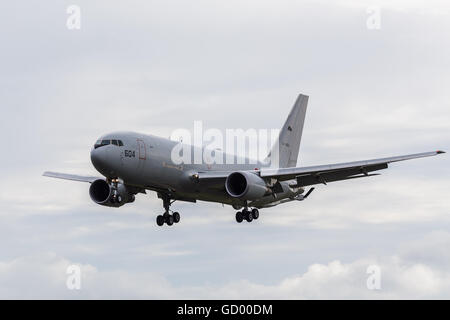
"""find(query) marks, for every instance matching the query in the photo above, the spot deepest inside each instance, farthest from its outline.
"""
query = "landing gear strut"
(248, 215)
(166, 217)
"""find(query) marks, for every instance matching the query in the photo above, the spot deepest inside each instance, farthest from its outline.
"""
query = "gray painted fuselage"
(151, 167)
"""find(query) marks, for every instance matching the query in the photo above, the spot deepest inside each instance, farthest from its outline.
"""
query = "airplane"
(132, 163)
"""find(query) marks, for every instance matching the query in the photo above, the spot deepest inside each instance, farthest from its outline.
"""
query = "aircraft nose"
(98, 159)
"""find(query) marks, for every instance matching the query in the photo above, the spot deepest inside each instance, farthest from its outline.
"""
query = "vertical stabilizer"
(288, 143)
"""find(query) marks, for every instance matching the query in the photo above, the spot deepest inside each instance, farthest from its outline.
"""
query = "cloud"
(44, 276)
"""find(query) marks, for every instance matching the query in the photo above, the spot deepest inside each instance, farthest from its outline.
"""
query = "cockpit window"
(101, 143)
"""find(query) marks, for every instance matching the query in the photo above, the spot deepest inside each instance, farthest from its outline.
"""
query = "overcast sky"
(155, 66)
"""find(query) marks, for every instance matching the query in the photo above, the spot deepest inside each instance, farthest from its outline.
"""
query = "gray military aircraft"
(132, 163)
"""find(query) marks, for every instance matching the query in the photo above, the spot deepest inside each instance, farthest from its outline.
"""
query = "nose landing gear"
(248, 215)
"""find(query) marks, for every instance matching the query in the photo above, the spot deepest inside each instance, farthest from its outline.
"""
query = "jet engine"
(110, 195)
(245, 185)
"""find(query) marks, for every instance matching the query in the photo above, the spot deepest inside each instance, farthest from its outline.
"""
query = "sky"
(156, 66)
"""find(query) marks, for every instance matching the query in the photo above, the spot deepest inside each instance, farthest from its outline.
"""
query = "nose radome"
(98, 159)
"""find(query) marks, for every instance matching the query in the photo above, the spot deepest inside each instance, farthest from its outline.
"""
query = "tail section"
(288, 143)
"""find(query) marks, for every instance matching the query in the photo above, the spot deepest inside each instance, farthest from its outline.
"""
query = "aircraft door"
(142, 150)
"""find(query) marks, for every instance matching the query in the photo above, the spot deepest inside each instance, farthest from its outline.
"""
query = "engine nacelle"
(105, 194)
(245, 185)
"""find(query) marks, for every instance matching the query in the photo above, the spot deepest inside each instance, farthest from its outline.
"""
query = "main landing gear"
(248, 215)
(166, 217)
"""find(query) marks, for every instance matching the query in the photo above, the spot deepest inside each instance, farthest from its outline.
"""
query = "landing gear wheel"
(169, 220)
(249, 216)
(255, 214)
(176, 217)
(239, 217)
(160, 220)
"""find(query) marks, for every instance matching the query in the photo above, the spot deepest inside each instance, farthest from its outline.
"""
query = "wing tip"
(440, 151)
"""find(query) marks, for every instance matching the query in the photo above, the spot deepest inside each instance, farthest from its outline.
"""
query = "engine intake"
(103, 193)
(100, 191)
(245, 185)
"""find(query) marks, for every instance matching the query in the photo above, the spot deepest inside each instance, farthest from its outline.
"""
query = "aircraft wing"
(306, 176)
(72, 177)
